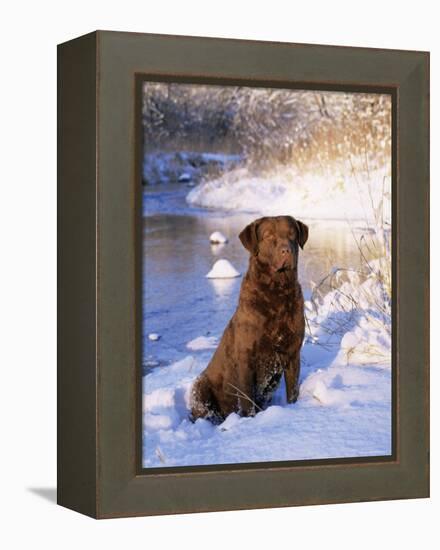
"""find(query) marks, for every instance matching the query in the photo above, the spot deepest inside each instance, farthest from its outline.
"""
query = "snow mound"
(218, 238)
(223, 269)
(339, 195)
(202, 342)
(346, 387)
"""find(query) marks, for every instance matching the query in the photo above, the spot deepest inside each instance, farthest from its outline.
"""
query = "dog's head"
(274, 241)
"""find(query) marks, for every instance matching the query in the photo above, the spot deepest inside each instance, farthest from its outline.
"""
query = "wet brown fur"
(263, 339)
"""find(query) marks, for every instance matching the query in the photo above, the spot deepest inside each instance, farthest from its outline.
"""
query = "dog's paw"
(247, 411)
(293, 397)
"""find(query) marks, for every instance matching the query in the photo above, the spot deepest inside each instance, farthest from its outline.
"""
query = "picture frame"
(99, 312)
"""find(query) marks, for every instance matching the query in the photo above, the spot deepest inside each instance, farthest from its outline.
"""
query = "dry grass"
(346, 297)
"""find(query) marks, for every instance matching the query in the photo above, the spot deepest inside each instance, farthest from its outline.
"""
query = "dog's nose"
(285, 250)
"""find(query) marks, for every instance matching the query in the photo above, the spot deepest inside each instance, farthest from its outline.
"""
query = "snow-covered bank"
(337, 195)
(344, 408)
(185, 166)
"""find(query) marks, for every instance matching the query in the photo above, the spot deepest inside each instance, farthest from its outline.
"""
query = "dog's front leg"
(245, 393)
(291, 376)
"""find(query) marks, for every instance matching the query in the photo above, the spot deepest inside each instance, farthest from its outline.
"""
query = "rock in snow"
(153, 336)
(184, 178)
(223, 269)
(218, 238)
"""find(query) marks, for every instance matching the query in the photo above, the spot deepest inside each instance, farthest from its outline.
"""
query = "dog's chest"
(279, 330)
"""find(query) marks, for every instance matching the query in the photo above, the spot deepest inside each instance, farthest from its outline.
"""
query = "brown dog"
(264, 337)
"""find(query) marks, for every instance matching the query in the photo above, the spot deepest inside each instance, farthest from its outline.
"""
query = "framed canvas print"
(243, 274)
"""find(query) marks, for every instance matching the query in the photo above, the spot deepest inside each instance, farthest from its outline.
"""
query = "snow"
(184, 178)
(184, 166)
(338, 194)
(202, 342)
(218, 238)
(223, 269)
(344, 406)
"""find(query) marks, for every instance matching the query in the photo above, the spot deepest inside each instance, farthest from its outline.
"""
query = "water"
(179, 302)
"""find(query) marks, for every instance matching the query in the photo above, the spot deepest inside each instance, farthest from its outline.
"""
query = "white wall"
(29, 33)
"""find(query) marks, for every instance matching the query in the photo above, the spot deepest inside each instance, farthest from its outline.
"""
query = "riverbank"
(354, 196)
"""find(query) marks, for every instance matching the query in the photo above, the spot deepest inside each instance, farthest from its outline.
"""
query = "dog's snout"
(285, 250)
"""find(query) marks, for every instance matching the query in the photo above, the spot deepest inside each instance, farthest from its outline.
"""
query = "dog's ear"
(303, 233)
(249, 237)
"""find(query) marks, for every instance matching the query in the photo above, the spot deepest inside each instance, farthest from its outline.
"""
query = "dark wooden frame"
(99, 468)
(140, 78)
